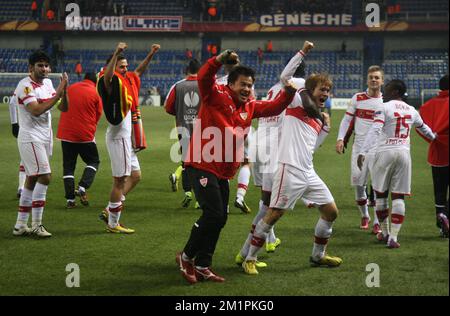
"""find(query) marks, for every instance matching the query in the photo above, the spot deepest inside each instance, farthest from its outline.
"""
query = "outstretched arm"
(275, 106)
(109, 71)
(291, 67)
(144, 64)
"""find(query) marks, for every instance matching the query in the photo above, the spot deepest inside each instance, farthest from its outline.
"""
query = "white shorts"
(392, 171)
(257, 175)
(123, 158)
(35, 158)
(290, 184)
(267, 181)
(361, 177)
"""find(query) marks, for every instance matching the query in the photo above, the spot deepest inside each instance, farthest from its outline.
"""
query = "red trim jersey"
(79, 123)
(435, 114)
(299, 134)
(34, 128)
(217, 144)
(359, 116)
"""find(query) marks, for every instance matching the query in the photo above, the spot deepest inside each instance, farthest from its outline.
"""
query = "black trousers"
(212, 194)
(185, 181)
(441, 188)
(89, 154)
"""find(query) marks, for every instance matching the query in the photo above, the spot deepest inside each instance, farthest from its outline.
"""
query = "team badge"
(27, 90)
(243, 115)
(204, 182)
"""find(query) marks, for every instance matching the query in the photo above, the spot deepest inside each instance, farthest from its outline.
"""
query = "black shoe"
(83, 197)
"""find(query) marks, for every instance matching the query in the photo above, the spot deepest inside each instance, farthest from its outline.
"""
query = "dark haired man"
(119, 89)
(390, 135)
(183, 101)
(435, 114)
(215, 152)
(76, 130)
(36, 97)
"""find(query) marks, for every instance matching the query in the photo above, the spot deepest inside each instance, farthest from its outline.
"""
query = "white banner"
(340, 103)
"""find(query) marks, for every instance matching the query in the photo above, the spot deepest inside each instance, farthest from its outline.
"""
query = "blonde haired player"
(359, 117)
(303, 130)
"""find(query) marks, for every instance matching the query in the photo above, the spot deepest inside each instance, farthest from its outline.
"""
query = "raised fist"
(307, 46)
(155, 48)
(121, 47)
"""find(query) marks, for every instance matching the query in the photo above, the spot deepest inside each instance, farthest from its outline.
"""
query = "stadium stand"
(421, 69)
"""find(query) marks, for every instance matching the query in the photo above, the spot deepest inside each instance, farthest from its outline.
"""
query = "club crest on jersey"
(204, 182)
(243, 115)
(27, 90)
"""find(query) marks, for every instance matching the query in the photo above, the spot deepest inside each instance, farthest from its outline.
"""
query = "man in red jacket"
(435, 114)
(76, 130)
(215, 152)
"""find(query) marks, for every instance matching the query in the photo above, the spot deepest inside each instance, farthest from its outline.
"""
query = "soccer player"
(225, 115)
(36, 97)
(244, 174)
(268, 136)
(359, 116)
(390, 134)
(76, 130)
(13, 105)
(119, 89)
(435, 114)
(183, 101)
(304, 129)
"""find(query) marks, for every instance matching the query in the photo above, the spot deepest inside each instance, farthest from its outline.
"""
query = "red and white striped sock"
(321, 235)
(397, 217)
(258, 239)
(243, 181)
(261, 213)
(114, 210)
(38, 204)
(383, 215)
(24, 208)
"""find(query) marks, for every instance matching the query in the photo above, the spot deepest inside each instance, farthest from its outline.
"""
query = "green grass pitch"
(144, 263)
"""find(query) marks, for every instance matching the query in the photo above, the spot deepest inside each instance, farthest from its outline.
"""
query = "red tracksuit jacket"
(435, 114)
(217, 142)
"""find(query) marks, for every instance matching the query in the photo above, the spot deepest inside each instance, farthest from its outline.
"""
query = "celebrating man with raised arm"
(215, 153)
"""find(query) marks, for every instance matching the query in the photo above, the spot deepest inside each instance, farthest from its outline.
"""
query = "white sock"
(383, 214)
(261, 213)
(81, 189)
(375, 217)
(258, 239)
(243, 181)
(39, 197)
(322, 233)
(361, 200)
(114, 211)
(271, 238)
(397, 217)
(24, 208)
(22, 178)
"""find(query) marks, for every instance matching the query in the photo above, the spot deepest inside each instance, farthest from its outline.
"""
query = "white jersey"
(299, 135)
(122, 130)
(361, 110)
(269, 128)
(392, 127)
(34, 128)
